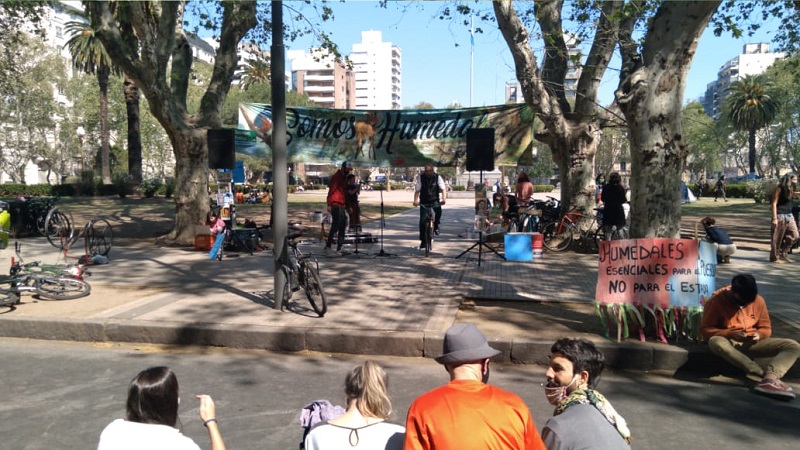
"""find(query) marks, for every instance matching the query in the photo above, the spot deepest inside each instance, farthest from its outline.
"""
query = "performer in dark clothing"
(429, 186)
(613, 197)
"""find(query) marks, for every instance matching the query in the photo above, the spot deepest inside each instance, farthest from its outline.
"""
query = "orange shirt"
(466, 415)
(723, 317)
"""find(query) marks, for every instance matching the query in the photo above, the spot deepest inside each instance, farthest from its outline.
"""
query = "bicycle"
(51, 281)
(302, 270)
(558, 236)
(428, 229)
(60, 232)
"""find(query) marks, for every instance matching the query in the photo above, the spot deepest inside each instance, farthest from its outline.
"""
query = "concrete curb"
(633, 356)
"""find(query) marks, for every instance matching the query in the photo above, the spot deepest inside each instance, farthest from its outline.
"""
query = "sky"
(436, 71)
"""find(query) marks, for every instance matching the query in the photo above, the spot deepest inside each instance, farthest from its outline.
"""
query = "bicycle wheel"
(8, 298)
(513, 225)
(58, 228)
(599, 236)
(100, 237)
(557, 240)
(313, 287)
(287, 288)
(429, 235)
(62, 288)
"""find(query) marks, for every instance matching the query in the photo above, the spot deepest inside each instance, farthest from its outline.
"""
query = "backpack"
(317, 412)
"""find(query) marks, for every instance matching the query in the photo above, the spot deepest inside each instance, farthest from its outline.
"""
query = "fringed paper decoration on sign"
(625, 319)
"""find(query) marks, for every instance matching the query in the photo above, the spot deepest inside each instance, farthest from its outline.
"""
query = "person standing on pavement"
(737, 326)
(613, 198)
(337, 199)
(583, 418)
(784, 228)
(151, 416)
(363, 426)
(467, 413)
(426, 193)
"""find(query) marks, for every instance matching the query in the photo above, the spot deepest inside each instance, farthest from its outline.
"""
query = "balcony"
(329, 78)
(318, 89)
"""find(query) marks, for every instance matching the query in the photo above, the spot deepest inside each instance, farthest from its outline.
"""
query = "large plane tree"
(161, 67)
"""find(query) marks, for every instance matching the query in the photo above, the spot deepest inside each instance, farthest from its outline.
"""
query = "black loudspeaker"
(221, 148)
(480, 149)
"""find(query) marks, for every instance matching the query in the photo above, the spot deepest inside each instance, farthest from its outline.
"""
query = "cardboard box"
(203, 242)
(518, 247)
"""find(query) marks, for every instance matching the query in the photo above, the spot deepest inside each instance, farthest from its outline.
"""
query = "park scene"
(176, 255)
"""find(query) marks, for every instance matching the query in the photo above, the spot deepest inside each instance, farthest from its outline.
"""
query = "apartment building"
(754, 59)
(378, 72)
(326, 82)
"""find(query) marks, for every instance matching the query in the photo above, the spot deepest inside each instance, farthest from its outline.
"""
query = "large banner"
(397, 138)
(661, 272)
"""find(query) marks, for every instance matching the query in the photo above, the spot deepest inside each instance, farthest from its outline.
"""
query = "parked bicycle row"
(560, 229)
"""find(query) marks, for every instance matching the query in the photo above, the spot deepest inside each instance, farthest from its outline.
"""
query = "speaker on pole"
(480, 149)
(221, 148)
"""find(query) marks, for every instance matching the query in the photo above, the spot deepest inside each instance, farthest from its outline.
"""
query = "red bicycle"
(573, 226)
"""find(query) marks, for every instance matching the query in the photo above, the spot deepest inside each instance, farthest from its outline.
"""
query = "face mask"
(555, 394)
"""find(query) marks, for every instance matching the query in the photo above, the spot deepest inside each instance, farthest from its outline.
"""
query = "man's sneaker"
(341, 252)
(331, 253)
(422, 245)
(774, 388)
(436, 231)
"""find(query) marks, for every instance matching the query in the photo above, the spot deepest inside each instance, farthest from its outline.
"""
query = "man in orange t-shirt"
(467, 413)
(737, 326)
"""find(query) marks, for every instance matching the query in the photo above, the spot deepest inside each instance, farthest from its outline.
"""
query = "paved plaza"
(390, 305)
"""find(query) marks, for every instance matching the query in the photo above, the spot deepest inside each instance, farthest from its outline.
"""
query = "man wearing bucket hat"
(467, 413)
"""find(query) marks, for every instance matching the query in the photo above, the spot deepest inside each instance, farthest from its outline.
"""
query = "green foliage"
(760, 190)
(150, 186)
(123, 184)
(86, 185)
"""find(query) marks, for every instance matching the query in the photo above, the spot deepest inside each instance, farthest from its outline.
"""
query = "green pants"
(784, 352)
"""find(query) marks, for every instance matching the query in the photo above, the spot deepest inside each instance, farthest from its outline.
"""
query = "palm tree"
(256, 71)
(89, 56)
(750, 108)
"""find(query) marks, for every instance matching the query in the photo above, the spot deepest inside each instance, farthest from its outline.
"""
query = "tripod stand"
(382, 224)
(481, 242)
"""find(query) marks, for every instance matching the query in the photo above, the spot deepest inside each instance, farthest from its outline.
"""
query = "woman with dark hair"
(613, 197)
(362, 426)
(151, 416)
(523, 192)
(784, 228)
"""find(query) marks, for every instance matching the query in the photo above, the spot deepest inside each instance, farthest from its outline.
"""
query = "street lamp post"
(81, 133)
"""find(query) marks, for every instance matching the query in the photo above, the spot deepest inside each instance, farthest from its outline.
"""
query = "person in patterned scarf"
(583, 418)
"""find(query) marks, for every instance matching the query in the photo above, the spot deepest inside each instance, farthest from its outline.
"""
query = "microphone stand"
(383, 221)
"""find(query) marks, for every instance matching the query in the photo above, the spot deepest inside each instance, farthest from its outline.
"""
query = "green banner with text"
(396, 138)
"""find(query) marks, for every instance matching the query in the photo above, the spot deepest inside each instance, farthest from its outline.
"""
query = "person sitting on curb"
(467, 412)
(718, 236)
(737, 327)
(574, 371)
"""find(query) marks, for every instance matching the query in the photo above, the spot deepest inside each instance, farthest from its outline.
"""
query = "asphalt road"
(59, 395)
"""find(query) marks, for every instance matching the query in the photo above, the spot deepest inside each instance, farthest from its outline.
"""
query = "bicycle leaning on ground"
(428, 228)
(301, 271)
(59, 228)
(50, 281)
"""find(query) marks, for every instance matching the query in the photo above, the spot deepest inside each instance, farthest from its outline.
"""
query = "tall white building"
(755, 59)
(378, 72)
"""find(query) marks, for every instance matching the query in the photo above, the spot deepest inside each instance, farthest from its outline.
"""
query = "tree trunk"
(105, 167)
(751, 142)
(134, 132)
(574, 153)
(191, 185)
(651, 97)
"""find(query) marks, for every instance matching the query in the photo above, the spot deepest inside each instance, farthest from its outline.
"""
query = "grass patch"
(745, 208)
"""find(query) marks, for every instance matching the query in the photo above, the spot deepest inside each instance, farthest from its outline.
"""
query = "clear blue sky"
(438, 72)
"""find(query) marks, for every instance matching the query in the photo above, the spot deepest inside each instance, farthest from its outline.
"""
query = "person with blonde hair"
(151, 416)
(364, 424)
